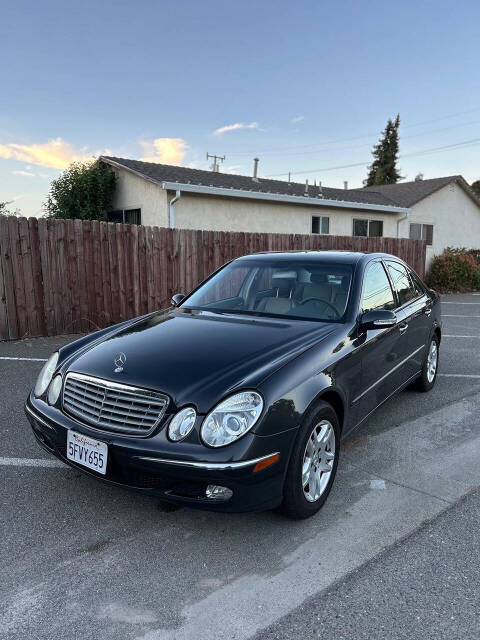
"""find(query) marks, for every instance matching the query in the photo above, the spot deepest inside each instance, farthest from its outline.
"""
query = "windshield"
(307, 290)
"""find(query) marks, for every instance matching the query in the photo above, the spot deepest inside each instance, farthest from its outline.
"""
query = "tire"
(299, 500)
(427, 378)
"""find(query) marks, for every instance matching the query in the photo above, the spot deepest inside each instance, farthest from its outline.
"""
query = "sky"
(306, 86)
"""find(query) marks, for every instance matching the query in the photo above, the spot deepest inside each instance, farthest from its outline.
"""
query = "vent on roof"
(255, 169)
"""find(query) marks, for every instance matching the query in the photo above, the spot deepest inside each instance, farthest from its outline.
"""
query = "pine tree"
(383, 169)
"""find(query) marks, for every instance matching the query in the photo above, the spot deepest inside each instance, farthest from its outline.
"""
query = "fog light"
(215, 492)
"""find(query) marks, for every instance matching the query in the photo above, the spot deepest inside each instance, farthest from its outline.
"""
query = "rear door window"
(402, 282)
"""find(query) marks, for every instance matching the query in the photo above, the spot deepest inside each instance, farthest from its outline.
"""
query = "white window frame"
(320, 220)
(422, 235)
(124, 211)
(368, 220)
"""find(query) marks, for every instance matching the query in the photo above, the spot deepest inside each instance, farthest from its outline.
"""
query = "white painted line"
(449, 336)
(32, 359)
(446, 315)
(459, 375)
(443, 302)
(32, 462)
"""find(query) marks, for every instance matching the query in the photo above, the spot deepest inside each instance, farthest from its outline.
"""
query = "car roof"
(340, 257)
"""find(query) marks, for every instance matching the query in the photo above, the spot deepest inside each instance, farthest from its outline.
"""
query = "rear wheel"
(313, 464)
(428, 376)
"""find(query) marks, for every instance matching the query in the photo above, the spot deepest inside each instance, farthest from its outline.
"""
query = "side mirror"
(177, 299)
(380, 319)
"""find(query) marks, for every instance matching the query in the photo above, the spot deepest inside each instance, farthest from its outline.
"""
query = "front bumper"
(147, 466)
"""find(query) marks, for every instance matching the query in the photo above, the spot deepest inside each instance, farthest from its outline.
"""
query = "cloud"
(235, 127)
(164, 150)
(297, 119)
(234, 169)
(23, 173)
(55, 154)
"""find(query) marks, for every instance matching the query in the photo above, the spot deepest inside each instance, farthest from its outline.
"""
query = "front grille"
(112, 406)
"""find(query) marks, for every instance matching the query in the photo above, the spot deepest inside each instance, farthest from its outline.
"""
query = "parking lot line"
(32, 359)
(32, 462)
(443, 302)
(447, 315)
(452, 336)
(459, 375)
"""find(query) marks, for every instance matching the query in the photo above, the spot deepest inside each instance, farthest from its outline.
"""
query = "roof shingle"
(167, 173)
(402, 194)
(406, 194)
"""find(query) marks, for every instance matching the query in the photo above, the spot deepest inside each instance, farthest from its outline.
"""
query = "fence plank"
(18, 276)
(114, 271)
(5, 330)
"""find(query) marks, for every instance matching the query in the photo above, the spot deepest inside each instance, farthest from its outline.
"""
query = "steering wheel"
(321, 302)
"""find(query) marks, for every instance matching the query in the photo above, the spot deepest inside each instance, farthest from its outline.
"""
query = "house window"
(128, 216)
(132, 216)
(422, 232)
(321, 224)
(370, 228)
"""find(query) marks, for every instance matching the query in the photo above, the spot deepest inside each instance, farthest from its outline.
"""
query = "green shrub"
(455, 270)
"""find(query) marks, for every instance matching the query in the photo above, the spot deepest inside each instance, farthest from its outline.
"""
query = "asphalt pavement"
(425, 586)
(80, 559)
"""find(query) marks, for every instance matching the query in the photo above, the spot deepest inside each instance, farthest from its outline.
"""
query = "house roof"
(401, 195)
(160, 173)
(406, 194)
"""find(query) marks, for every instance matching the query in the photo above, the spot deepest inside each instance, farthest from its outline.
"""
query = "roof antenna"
(215, 166)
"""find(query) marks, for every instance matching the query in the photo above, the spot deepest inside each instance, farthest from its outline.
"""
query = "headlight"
(231, 419)
(181, 424)
(54, 390)
(46, 375)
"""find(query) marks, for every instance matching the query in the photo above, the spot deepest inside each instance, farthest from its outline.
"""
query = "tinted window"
(427, 233)
(415, 231)
(375, 229)
(402, 282)
(377, 292)
(302, 290)
(360, 227)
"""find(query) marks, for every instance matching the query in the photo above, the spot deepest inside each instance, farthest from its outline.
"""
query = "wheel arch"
(335, 399)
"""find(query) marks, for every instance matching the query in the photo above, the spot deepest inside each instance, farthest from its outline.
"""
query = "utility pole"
(215, 167)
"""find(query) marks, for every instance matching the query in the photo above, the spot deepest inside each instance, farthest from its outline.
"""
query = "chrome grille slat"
(109, 405)
(144, 398)
(112, 406)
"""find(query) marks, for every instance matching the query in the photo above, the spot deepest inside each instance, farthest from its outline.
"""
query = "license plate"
(87, 451)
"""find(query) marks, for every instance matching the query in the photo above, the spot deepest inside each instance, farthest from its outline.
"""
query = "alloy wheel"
(318, 460)
(432, 361)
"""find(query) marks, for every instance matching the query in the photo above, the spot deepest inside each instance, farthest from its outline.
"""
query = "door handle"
(403, 327)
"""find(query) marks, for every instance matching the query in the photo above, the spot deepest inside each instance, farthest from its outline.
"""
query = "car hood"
(198, 357)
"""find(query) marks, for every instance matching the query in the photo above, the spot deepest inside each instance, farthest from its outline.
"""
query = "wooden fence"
(72, 276)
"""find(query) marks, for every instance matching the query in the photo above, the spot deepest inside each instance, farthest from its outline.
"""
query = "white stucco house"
(442, 211)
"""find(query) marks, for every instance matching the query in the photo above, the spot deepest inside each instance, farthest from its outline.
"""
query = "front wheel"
(430, 366)
(313, 464)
